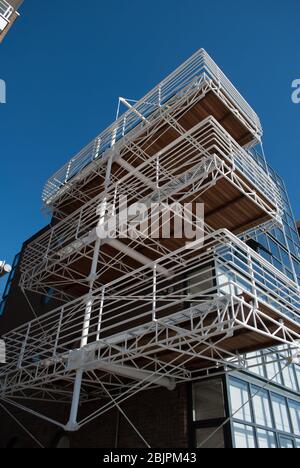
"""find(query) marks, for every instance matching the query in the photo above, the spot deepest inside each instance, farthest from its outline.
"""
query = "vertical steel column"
(72, 424)
(154, 293)
(100, 315)
(23, 349)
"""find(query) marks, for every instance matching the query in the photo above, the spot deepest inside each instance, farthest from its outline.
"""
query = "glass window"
(255, 361)
(280, 413)
(273, 368)
(266, 439)
(262, 409)
(297, 369)
(243, 436)
(215, 441)
(286, 443)
(295, 416)
(240, 404)
(289, 378)
(208, 400)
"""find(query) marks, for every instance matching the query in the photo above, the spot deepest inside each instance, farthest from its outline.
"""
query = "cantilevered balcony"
(8, 15)
(196, 90)
(204, 165)
(222, 301)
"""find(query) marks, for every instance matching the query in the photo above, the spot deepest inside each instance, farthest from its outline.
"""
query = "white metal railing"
(186, 76)
(125, 308)
(180, 166)
(6, 10)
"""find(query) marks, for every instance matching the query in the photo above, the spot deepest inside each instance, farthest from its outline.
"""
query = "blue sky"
(67, 62)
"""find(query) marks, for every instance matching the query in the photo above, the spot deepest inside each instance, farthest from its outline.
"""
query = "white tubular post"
(100, 315)
(154, 292)
(72, 425)
(89, 303)
(93, 273)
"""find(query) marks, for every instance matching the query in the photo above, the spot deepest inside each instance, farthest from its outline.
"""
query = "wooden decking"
(210, 105)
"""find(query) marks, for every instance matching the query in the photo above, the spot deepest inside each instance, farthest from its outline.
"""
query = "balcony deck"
(196, 90)
(204, 165)
(8, 16)
(217, 304)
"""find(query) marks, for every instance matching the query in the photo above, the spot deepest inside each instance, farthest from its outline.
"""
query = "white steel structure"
(8, 15)
(143, 312)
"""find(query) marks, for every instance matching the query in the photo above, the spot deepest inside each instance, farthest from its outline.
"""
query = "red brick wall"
(161, 417)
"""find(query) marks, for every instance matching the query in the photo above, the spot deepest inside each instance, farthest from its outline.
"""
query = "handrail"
(6, 10)
(211, 139)
(232, 266)
(180, 81)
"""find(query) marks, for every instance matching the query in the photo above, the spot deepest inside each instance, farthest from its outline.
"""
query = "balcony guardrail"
(217, 151)
(126, 308)
(6, 10)
(185, 78)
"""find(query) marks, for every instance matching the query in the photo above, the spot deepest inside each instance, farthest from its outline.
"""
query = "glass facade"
(282, 244)
(269, 419)
(264, 402)
(272, 365)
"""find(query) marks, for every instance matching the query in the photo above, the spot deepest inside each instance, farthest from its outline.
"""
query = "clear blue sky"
(67, 61)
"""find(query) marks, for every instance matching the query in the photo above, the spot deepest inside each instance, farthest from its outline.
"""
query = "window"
(289, 378)
(286, 443)
(262, 409)
(297, 370)
(202, 281)
(295, 416)
(239, 396)
(273, 368)
(243, 436)
(280, 413)
(256, 364)
(266, 439)
(268, 419)
(208, 399)
(215, 441)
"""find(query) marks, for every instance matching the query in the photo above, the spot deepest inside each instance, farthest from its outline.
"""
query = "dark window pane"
(208, 400)
(286, 443)
(216, 441)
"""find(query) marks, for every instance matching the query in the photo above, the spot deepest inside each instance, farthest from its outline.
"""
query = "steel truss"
(167, 177)
(190, 82)
(245, 294)
(171, 313)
